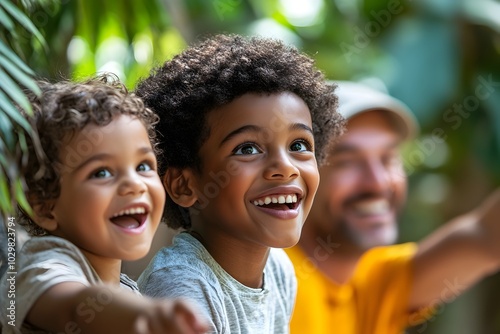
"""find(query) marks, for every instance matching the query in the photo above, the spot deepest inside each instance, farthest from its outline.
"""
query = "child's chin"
(136, 255)
(287, 242)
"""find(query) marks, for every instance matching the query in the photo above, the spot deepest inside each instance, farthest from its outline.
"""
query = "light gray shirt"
(42, 263)
(186, 269)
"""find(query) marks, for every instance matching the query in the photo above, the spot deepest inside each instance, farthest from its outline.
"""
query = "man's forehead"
(376, 120)
(372, 130)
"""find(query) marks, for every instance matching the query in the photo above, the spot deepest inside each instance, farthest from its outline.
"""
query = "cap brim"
(356, 98)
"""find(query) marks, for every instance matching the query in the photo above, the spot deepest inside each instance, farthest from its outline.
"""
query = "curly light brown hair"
(213, 73)
(62, 110)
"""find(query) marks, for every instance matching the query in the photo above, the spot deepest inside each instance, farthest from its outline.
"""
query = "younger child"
(242, 122)
(97, 200)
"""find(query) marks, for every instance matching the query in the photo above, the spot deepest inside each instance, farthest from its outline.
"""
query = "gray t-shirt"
(42, 263)
(186, 269)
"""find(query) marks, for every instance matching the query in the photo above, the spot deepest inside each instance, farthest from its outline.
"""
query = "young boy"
(241, 121)
(97, 200)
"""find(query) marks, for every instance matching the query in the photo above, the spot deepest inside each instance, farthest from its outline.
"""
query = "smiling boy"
(97, 200)
(242, 122)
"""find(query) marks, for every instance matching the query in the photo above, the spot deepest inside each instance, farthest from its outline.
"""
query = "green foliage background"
(433, 54)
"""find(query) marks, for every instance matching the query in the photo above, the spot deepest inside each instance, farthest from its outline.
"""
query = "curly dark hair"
(215, 72)
(63, 109)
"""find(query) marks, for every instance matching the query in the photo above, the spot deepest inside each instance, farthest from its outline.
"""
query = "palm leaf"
(6, 130)
(23, 20)
(4, 50)
(13, 90)
(7, 23)
(5, 204)
(14, 128)
(17, 74)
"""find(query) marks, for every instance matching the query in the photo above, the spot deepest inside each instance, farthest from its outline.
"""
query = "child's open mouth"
(130, 218)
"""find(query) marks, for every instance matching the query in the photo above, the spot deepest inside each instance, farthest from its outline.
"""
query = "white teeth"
(281, 199)
(131, 211)
(372, 207)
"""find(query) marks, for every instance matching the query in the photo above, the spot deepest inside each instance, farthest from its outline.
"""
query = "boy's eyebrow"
(254, 128)
(245, 128)
(301, 126)
(104, 156)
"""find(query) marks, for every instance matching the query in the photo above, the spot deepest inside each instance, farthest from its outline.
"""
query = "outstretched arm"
(457, 255)
(71, 307)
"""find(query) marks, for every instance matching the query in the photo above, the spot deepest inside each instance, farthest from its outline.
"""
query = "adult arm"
(72, 307)
(457, 255)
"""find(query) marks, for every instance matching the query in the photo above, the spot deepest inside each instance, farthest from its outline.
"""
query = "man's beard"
(388, 235)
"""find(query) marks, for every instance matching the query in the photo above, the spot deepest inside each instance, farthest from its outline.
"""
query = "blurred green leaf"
(14, 91)
(4, 49)
(5, 205)
(6, 21)
(18, 75)
(14, 76)
(6, 129)
(21, 197)
(9, 109)
(22, 19)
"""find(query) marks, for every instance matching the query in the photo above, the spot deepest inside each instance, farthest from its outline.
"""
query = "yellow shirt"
(374, 301)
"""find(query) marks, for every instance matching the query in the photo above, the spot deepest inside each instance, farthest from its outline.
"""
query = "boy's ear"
(43, 217)
(180, 186)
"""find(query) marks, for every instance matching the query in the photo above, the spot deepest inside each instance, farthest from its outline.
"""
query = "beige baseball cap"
(356, 98)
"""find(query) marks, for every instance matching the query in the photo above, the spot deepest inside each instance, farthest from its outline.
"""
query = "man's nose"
(376, 176)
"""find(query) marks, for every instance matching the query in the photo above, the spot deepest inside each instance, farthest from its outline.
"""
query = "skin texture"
(259, 146)
(101, 181)
(363, 187)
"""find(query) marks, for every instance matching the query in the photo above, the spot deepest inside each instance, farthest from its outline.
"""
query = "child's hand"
(175, 316)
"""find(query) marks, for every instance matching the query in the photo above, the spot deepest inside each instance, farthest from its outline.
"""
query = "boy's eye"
(144, 167)
(246, 149)
(301, 146)
(100, 174)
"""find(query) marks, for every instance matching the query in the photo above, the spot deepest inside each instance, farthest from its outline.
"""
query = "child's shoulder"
(60, 257)
(185, 253)
(187, 263)
(48, 244)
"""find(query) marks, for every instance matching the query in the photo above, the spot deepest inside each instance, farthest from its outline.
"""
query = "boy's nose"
(281, 166)
(132, 183)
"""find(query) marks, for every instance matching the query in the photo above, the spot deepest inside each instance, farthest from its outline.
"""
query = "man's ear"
(180, 186)
(43, 217)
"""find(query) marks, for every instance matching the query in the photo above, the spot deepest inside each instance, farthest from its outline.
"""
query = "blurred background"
(441, 57)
